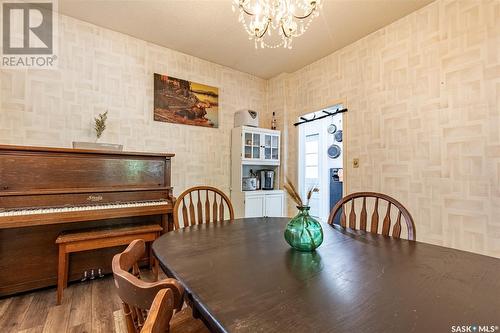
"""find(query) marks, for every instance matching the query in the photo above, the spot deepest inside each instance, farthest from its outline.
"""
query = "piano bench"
(99, 238)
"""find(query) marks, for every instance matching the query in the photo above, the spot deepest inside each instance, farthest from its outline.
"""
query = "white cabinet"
(264, 203)
(252, 150)
(254, 205)
(273, 205)
(260, 145)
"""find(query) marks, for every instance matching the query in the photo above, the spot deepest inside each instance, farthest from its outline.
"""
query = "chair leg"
(62, 272)
(129, 318)
(195, 312)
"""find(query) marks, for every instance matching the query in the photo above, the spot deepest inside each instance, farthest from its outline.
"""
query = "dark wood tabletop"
(243, 277)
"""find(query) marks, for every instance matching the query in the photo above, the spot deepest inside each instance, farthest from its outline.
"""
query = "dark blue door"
(335, 191)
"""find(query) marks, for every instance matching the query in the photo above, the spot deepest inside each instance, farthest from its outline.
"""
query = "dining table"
(242, 276)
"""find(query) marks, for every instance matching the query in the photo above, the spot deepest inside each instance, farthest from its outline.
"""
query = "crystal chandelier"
(286, 18)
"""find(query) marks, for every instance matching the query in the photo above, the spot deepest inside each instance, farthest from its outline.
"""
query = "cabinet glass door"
(267, 146)
(271, 147)
(251, 145)
(256, 146)
(275, 147)
(248, 145)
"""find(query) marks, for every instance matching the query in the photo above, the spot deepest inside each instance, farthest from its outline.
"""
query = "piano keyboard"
(15, 212)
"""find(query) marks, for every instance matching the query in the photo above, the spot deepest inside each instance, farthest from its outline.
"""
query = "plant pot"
(303, 232)
(97, 146)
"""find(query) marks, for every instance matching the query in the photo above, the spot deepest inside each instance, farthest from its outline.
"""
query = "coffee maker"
(266, 179)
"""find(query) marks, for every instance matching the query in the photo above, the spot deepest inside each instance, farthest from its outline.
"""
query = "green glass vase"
(303, 232)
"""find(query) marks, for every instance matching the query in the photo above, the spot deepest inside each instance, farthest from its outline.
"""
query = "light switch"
(355, 162)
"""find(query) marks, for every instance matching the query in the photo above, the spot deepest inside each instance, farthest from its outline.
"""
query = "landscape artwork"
(184, 102)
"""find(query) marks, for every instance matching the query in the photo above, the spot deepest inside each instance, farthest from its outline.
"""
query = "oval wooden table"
(243, 277)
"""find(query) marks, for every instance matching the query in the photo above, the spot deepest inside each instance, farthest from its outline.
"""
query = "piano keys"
(10, 218)
(44, 191)
(56, 210)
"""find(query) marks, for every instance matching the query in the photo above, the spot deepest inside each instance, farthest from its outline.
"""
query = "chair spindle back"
(352, 223)
(201, 204)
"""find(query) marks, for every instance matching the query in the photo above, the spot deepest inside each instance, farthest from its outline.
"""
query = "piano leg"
(153, 262)
(167, 222)
(170, 222)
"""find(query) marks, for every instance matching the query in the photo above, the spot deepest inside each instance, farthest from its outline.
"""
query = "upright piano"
(45, 191)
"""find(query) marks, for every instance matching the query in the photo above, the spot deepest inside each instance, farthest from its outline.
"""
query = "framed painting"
(184, 102)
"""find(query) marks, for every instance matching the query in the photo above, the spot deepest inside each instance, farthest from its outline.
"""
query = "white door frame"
(323, 146)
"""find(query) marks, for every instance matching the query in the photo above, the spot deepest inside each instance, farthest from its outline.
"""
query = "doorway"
(320, 155)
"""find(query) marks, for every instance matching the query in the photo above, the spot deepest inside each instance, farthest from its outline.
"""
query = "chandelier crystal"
(268, 18)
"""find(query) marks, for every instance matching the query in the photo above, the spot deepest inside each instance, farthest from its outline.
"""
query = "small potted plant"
(100, 124)
(99, 127)
(303, 232)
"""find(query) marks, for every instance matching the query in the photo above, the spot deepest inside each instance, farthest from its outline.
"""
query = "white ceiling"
(209, 29)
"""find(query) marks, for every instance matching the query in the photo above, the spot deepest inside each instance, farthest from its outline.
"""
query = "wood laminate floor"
(91, 306)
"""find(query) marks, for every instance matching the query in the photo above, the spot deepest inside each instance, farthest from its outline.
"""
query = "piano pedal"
(99, 273)
(85, 276)
(92, 274)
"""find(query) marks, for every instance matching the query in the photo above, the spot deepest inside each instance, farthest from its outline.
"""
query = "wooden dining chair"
(161, 319)
(201, 204)
(160, 313)
(351, 221)
(137, 295)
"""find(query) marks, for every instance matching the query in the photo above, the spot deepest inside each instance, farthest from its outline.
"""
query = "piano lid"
(79, 151)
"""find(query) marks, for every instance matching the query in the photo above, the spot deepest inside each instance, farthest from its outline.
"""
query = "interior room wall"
(424, 118)
(101, 70)
(423, 95)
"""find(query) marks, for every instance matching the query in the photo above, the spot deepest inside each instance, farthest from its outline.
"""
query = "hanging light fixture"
(285, 18)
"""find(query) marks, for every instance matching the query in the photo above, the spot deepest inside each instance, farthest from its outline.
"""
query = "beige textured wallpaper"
(424, 111)
(104, 70)
(424, 117)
